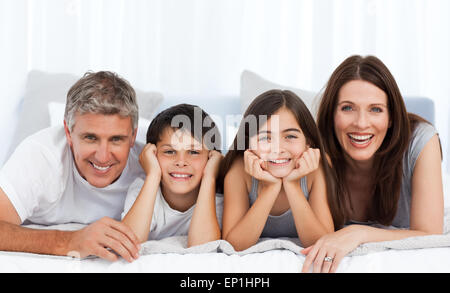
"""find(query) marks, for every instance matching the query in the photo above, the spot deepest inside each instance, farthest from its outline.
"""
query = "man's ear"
(68, 136)
(133, 139)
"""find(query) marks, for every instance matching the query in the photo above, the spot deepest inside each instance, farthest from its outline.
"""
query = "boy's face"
(182, 160)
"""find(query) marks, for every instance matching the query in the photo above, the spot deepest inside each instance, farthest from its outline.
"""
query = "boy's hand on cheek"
(307, 163)
(212, 166)
(148, 160)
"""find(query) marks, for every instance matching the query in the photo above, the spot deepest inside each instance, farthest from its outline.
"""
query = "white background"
(200, 47)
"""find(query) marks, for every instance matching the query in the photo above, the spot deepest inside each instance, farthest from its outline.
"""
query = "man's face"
(100, 145)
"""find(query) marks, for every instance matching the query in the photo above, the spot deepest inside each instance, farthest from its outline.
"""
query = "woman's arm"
(427, 198)
(242, 226)
(204, 226)
(426, 216)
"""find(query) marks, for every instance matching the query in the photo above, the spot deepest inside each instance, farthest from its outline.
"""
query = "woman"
(386, 162)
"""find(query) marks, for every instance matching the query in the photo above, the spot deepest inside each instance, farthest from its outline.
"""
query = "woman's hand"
(326, 254)
(212, 166)
(255, 167)
(307, 163)
(148, 160)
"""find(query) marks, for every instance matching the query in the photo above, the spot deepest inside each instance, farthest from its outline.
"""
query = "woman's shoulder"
(421, 135)
(423, 129)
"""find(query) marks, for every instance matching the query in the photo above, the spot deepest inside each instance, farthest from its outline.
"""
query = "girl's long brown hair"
(388, 161)
(267, 104)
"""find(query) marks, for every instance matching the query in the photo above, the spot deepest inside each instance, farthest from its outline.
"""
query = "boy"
(178, 195)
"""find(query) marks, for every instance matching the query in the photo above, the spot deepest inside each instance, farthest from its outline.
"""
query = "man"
(78, 173)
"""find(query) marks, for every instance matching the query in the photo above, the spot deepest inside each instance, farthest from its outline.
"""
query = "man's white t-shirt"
(166, 221)
(43, 184)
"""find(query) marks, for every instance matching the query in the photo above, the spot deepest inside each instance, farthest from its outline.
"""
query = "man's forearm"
(16, 238)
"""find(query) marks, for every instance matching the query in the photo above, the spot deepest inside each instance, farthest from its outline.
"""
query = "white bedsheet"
(272, 261)
(430, 260)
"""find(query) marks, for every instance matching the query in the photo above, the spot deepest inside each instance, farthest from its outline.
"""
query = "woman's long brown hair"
(267, 104)
(388, 161)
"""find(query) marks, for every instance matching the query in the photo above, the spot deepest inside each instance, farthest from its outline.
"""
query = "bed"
(419, 254)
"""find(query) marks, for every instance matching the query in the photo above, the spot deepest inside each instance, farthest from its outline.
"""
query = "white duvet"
(417, 254)
(275, 261)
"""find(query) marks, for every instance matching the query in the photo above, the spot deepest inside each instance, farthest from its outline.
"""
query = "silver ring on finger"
(328, 259)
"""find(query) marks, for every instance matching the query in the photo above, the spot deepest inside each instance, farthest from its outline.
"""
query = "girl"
(276, 181)
(178, 195)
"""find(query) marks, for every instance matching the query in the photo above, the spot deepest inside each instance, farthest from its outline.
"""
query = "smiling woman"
(361, 120)
(387, 162)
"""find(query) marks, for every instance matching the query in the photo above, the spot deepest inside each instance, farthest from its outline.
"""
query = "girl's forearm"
(204, 226)
(248, 230)
(139, 217)
(309, 228)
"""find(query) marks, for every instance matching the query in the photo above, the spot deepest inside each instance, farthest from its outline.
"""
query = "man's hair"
(104, 93)
(186, 117)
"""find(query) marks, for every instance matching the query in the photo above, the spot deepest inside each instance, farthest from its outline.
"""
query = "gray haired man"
(78, 173)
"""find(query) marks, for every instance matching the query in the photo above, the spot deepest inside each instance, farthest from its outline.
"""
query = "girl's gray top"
(420, 136)
(282, 225)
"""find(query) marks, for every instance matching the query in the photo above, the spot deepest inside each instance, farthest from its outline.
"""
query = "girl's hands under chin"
(307, 163)
(255, 167)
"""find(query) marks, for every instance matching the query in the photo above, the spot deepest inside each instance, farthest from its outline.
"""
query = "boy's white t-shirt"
(166, 221)
(43, 183)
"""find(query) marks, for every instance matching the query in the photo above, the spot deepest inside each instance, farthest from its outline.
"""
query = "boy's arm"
(204, 226)
(139, 217)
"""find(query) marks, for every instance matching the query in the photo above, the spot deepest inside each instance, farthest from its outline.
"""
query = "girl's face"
(279, 142)
(361, 119)
(182, 160)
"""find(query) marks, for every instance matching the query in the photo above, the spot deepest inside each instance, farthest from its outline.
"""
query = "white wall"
(200, 47)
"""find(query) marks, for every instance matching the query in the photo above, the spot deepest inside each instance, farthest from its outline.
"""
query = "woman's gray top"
(420, 137)
(282, 225)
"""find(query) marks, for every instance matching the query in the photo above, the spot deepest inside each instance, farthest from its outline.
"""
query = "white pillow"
(56, 113)
(43, 88)
(253, 85)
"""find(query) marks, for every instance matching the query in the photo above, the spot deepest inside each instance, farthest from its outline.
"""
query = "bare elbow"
(194, 242)
(433, 230)
(237, 246)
